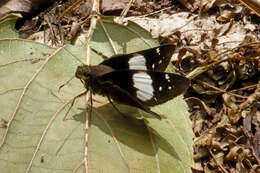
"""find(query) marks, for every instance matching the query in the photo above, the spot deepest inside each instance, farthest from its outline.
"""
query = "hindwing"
(148, 87)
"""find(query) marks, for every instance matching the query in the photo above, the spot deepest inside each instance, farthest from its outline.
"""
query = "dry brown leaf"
(21, 6)
(254, 5)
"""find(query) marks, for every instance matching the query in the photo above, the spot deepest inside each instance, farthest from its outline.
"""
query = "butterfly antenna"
(72, 103)
(74, 56)
(90, 103)
(66, 83)
(99, 53)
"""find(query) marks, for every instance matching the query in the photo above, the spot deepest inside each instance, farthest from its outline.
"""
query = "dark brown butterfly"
(137, 79)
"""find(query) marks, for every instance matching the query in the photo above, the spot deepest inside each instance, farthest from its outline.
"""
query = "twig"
(10, 90)
(125, 11)
(108, 37)
(214, 158)
(33, 60)
(218, 90)
(68, 10)
(93, 23)
(244, 88)
(78, 166)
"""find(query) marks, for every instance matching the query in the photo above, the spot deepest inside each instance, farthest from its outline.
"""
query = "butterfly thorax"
(89, 74)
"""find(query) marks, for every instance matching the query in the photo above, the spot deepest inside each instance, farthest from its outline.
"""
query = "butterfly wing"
(154, 59)
(120, 95)
(147, 87)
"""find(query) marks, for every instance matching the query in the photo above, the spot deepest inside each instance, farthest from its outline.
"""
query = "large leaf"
(38, 141)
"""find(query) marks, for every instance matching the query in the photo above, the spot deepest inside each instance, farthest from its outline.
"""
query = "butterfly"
(136, 79)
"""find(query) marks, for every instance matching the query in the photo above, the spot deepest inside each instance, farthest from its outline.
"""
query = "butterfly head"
(83, 73)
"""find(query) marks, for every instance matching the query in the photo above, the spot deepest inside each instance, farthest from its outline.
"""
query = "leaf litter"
(222, 49)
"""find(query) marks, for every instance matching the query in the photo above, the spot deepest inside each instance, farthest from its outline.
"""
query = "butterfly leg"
(91, 103)
(155, 114)
(73, 101)
(114, 106)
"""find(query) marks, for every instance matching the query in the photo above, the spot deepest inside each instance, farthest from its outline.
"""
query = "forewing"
(148, 87)
(154, 59)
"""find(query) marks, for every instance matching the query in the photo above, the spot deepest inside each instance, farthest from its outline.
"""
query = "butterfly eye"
(85, 74)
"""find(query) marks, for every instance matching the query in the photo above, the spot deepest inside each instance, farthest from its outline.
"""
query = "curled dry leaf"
(24, 7)
(111, 6)
(208, 4)
(229, 14)
(224, 150)
(192, 5)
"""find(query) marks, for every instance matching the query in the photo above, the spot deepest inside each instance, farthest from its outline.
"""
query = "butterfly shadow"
(130, 131)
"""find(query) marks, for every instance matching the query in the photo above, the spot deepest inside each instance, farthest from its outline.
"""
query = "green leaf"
(30, 76)
(7, 24)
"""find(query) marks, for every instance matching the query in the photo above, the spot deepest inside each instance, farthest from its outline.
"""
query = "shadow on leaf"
(130, 131)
